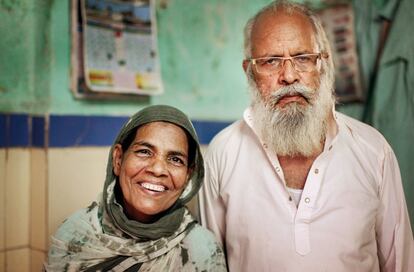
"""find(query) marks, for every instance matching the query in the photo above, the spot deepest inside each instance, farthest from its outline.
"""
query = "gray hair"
(322, 42)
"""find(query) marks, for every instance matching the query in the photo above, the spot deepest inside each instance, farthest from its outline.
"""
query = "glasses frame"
(284, 59)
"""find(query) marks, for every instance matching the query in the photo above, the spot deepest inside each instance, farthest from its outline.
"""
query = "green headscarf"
(172, 218)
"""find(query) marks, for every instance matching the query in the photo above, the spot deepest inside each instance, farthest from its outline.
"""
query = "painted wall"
(200, 66)
(200, 46)
(25, 55)
(200, 49)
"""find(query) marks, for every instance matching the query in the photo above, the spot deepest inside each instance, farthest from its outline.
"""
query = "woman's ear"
(117, 159)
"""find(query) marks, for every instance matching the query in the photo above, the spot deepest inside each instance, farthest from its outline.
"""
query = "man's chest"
(295, 171)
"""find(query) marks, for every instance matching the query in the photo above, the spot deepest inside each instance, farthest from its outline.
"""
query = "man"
(296, 186)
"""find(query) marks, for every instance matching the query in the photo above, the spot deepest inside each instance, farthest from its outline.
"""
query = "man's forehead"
(281, 20)
(282, 30)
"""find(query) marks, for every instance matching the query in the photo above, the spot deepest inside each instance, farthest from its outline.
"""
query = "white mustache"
(292, 90)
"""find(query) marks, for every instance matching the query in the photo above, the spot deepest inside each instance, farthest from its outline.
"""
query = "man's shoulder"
(363, 133)
(231, 133)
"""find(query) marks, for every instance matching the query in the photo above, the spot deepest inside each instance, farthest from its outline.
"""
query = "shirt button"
(277, 168)
(307, 200)
(316, 171)
(265, 145)
(330, 148)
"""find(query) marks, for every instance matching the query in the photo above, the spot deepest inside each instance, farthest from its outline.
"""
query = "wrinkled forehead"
(277, 31)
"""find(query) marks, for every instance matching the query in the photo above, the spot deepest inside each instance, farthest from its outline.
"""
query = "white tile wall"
(2, 261)
(76, 176)
(38, 200)
(17, 197)
(37, 259)
(18, 260)
(2, 199)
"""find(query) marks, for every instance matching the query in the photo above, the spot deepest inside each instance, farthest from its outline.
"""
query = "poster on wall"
(338, 22)
(115, 48)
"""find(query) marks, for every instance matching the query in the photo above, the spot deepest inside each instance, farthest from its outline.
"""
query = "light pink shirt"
(352, 214)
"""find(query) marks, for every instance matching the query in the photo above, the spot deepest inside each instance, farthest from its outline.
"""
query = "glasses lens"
(305, 63)
(268, 65)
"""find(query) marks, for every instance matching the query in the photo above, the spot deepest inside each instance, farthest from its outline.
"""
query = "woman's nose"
(158, 166)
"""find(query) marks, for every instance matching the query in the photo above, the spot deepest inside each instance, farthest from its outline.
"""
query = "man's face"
(284, 35)
(290, 108)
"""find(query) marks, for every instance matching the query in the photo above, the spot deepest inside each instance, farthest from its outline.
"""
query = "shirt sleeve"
(393, 230)
(212, 208)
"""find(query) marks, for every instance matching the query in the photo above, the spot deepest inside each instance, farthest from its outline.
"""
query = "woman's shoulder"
(200, 235)
(81, 220)
(203, 250)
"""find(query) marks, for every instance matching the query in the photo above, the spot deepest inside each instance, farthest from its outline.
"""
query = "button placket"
(302, 239)
(302, 228)
(306, 209)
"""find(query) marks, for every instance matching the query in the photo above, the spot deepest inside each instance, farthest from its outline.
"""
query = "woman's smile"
(153, 187)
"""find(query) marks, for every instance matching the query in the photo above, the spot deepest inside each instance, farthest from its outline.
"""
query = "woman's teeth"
(153, 187)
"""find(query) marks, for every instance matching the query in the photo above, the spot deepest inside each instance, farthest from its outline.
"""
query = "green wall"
(25, 56)
(200, 47)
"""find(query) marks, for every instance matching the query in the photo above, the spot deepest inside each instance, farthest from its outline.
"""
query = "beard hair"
(295, 129)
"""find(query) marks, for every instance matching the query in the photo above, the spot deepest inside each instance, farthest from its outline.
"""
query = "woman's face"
(153, 171)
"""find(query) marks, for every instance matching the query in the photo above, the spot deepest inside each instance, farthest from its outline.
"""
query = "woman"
(140, 223)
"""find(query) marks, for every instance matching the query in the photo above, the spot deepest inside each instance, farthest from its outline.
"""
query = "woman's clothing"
(102, 238)
(81, 243)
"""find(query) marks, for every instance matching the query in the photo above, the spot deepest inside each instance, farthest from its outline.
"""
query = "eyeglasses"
(301, 63)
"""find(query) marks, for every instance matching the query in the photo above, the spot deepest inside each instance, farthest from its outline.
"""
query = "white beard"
(294, 129)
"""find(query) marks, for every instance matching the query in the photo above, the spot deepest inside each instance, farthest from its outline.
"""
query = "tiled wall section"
(17, 198)
(36, 260)
(18, 260)
(2, 208)
(20, 130)
(2, 262)
(38, 196)
(76, 177)
(51, 166)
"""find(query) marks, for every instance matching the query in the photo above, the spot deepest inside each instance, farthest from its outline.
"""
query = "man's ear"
(245, 65)
(117, 159)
